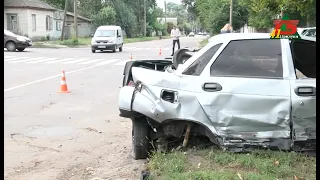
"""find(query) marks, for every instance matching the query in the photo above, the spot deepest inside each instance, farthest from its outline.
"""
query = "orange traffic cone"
(63, 85)
(160, 52)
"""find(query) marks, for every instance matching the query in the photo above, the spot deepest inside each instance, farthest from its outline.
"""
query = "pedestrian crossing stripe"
(82, 61)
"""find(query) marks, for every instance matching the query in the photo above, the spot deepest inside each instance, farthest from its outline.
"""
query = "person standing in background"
(226, 29)
(175, 34)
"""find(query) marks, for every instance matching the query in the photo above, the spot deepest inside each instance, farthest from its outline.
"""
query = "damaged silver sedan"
(241, 91)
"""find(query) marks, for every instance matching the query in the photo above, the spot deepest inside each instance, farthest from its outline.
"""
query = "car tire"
(114, 50)
(93, 51)
(120, 49)
(11, 46)
(20, 49)
(140, 138)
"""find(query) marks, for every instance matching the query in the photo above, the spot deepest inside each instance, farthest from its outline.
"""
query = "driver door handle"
(305, 91)
(211, 87)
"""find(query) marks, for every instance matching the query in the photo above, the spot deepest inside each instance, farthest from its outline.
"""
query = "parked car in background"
(309, 31)
(242, 90)
(13, 42)
(191, 34)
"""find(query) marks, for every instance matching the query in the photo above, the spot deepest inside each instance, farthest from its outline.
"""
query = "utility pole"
(231, 12)
(64, 19)
(75, 19)
(145, 18)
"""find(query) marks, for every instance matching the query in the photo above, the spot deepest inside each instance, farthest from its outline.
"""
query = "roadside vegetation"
(203, 42)
(217, 165)
(87, 41)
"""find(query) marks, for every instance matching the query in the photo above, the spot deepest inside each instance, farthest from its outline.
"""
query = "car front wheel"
(140, 138)
(11, 46)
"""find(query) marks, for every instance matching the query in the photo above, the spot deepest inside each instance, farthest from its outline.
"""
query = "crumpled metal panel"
(303, 112)
(304, 118)
(234, 126)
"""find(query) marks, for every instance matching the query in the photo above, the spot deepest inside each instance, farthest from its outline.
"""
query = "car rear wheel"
(140, 138)
(93, 51)
(11, 46)
(20, 49)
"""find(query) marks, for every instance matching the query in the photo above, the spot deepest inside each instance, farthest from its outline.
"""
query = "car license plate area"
(101, 46)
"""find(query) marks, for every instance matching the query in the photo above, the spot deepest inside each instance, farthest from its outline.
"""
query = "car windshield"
(105, 33)
(6, 32)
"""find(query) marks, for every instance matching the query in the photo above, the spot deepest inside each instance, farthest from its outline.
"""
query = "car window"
(198, 65)
(304, 58)
(104, 33)
(250, 58)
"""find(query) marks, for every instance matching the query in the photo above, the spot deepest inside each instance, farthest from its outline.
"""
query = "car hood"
(23, 37)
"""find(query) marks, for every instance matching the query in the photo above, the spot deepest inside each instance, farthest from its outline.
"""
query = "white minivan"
(107, 38)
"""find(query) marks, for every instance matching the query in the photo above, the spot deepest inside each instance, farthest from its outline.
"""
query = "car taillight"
(131, 83)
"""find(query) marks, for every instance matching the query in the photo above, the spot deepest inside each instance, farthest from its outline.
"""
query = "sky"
(160, 3)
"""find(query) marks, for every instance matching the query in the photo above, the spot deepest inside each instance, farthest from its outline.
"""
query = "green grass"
(218, 165)
(204, 42)
(87, 41)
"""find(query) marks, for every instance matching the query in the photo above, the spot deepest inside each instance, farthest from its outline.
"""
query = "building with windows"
(38, 20)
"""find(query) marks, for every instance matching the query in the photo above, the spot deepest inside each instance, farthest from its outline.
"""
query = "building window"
(49, 23)
(12, 22)
(58, 25)
(34, 21)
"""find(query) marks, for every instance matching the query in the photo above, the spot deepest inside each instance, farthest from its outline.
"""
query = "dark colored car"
(13, 42)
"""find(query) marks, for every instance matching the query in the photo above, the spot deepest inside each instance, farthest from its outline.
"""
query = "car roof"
(109, 27)
(242, 36)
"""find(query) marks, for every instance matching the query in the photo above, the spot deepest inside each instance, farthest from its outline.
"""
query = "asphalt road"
(79, 135)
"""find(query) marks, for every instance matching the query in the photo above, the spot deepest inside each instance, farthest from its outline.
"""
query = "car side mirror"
(119, 35)
(92, 35)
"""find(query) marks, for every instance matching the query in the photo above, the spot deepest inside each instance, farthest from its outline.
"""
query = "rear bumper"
(103, 46)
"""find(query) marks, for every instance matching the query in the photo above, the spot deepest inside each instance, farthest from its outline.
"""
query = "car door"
(118, 37)
(246, 93)
(303, 94)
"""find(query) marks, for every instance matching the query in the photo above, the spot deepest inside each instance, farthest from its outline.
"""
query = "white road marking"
(58, 61)
(9, 56)
(43, 60)
(26, 60)
(74, 61)
(48, 78)
(107, 62)
(92, 61)
(122, 62)
(15, 58)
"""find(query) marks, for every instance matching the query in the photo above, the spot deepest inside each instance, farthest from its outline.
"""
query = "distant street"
(77, 135)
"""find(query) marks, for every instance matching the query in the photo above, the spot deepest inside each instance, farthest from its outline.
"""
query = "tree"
(126, 18)
(213, 14)
(106, 16)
